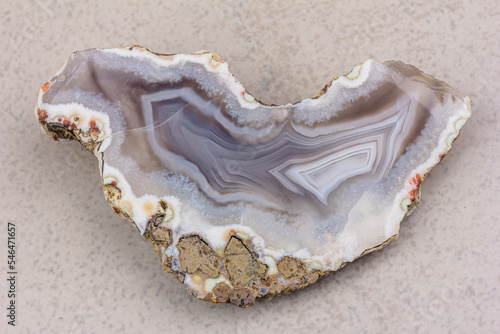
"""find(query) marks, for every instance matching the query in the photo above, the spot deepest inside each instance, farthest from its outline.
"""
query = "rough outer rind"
(235, 273)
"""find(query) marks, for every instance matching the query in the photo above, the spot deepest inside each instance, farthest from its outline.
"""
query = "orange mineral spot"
(42, 116)
(414, 183)
(46, 86)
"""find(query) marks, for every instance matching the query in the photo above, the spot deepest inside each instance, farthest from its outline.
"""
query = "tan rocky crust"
(241, 265)
(197, 257)
(229, 266)
(292, 269)
(246, 277)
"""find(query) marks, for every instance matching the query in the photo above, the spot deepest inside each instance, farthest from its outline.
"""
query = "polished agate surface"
(322, 181)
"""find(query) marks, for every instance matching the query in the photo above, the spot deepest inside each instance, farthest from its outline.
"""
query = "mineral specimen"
(243, 200)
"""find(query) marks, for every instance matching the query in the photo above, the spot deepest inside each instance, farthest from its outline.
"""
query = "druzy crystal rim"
(227, 247)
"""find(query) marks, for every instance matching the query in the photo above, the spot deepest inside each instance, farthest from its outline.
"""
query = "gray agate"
(243, 200)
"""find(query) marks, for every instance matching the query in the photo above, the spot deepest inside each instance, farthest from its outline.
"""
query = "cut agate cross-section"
(242, 200)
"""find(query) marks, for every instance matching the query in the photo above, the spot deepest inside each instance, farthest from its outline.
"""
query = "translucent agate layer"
(243, 200)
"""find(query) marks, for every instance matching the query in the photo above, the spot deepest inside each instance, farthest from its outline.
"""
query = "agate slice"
(243, 200)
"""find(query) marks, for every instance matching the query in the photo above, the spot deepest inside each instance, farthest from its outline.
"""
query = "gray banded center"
(282, 164)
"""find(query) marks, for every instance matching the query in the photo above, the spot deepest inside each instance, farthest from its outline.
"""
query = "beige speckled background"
(83, 269)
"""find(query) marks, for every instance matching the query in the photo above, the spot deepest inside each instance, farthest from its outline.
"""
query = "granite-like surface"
(82, 269)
